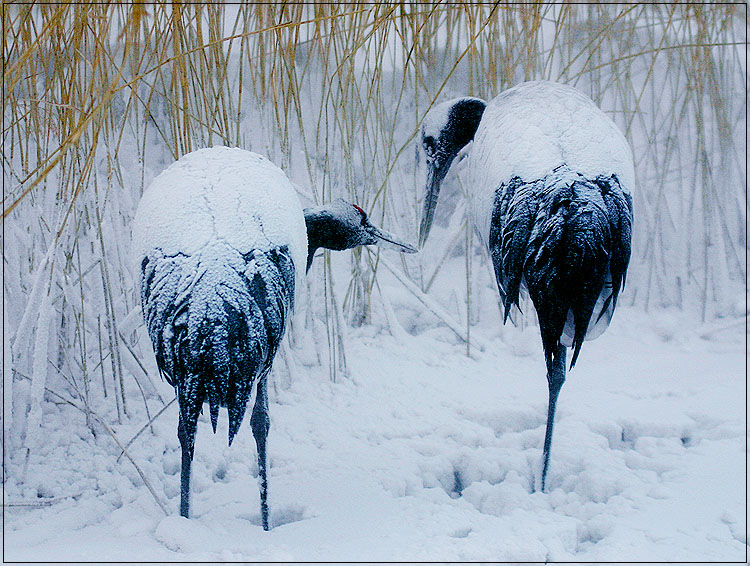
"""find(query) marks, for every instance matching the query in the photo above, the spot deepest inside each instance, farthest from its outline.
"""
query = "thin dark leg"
(555, 380)
(260, 424)
(187, 460)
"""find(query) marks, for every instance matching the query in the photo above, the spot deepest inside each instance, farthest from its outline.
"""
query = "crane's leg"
(187, 460)
(555, 380)
(260, 424)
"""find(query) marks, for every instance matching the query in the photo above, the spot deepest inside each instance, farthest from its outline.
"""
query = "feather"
(620, 213)
(216, 319)
(565, 238)
(520, 218)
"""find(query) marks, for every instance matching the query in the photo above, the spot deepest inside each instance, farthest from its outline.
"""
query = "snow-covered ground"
(422, 453)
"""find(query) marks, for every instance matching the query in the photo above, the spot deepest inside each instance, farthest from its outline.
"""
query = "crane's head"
(340, 225)
(447, 128)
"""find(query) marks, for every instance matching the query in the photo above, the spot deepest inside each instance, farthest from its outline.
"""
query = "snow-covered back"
(530, 129)
(221, 194)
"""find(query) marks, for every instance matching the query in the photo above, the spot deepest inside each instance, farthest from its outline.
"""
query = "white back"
(530, 129)
(225, 196)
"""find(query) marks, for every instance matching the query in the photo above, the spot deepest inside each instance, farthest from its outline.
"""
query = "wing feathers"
(521, 214)
(215, 320)
(563, 237)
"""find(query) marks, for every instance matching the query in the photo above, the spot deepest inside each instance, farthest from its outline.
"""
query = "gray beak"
(435, 176)
(383, 239)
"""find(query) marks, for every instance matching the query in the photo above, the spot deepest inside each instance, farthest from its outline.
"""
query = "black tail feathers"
(216, 320)
(563, 237)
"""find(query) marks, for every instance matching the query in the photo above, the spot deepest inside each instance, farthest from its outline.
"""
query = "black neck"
(315, 224)
(327, 230)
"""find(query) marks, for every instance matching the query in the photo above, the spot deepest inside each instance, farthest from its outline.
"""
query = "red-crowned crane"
(223, 245)
(550, 181)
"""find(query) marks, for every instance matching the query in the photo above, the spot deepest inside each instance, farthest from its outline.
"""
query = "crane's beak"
(383, 239)
(435, 175)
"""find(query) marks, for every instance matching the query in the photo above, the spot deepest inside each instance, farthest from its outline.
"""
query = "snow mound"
(422, 453)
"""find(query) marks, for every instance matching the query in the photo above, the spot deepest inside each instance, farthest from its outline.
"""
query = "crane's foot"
(264, 501)
(260, 424)
(548, 434)
(555, 380)
(187, 461)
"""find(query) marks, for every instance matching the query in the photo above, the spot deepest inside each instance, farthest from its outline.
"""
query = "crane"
(550, 187)
(221, 240)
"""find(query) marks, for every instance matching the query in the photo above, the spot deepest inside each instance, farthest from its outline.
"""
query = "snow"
(424, 454)
(7, 415)
(225, 194)
(530, 129)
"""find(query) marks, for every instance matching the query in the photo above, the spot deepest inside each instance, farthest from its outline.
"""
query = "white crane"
(550, 181)
(221, 241)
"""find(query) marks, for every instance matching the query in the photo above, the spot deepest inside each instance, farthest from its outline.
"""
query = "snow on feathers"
(529, 130)
(220, 238)
(565, 239)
